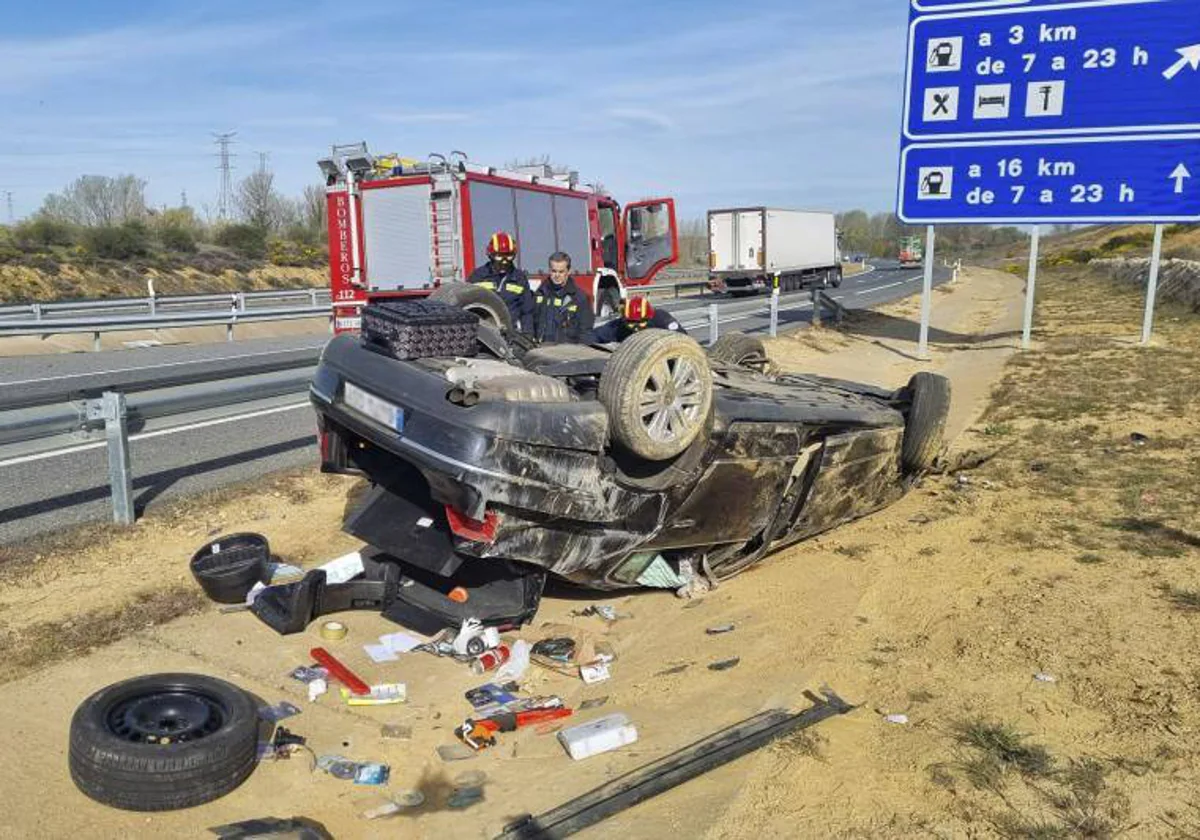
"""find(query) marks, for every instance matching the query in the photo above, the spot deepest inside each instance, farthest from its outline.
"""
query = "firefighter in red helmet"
(638, 314)
(501, 275)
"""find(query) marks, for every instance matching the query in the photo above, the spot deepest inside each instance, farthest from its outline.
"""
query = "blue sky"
(717, 103)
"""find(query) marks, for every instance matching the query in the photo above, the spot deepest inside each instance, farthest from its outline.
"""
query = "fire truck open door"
(651, 239)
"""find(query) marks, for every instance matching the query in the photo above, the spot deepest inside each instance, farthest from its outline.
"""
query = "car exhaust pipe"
(455, 395)
(470, 398)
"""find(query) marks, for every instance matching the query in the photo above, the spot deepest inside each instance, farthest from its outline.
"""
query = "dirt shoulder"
(1070, 552)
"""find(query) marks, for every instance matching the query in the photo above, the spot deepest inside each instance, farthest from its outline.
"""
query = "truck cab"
(402, 227)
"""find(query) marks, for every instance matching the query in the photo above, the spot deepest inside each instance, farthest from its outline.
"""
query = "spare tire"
(929, 395)
(161, 742)
(739, 349)
(485, 304)
(658, 392)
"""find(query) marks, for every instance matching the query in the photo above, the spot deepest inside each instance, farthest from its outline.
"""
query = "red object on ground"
(339, 671)
(507, 721)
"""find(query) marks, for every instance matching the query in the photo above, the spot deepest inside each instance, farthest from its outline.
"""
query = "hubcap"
(671, 400)
(166, 717)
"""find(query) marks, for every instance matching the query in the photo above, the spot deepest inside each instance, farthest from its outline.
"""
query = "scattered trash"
(480, 733)
(604, 611)
(963, 480)
(601, 735)
(491, 694)
(455, 752)
(280, 711)
(594, 673)
(395, 732)
(473, 638)
(317, 688)
(593, 703)
(281, 745)
(387, 809)
(343, 569)
(282, 572)
(901, 720)
(560, 650)
(1138, 439)
(308, 673)
(1045, 678)
(725, 664)
(490, 660)
(380, 653)
(400, 642)
(463, 798)
(372, 774)
(379, 695)
(338, 766)
(518, 662)
(339, 671)
(334, 631)
(920, 519)
(1037, 466)
(719, 629)
(471, 778)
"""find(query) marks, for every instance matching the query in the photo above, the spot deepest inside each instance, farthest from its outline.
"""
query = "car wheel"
(930, 405)
(657, 389)
(837, 278)
(610, 302)
(737, 348)
(485, 304)
(161, 742)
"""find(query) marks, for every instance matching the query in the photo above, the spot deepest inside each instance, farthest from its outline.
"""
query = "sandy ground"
(942, 607)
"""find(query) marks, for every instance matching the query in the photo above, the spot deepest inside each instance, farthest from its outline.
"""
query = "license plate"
(381, 411)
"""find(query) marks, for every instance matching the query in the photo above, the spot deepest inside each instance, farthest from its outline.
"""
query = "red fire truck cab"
(401, 227)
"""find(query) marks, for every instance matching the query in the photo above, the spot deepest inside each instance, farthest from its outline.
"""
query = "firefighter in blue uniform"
(564, 313)
(637, 315)
(501, 275)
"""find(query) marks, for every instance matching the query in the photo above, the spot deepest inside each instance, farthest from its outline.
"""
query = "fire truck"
(401, 227)
(912, 255)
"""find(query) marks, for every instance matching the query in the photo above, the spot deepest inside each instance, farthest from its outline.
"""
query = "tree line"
(109, 218)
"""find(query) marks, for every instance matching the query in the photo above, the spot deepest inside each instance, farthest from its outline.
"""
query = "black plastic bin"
(228, 567)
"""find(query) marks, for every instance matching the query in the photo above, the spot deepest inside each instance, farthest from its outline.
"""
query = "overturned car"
(495, 463)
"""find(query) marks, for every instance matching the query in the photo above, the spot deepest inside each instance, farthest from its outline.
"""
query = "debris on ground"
(386, 694)
(280, 711)
(601, 735)
(720, 629)
(899, 719)
(725, 664)
(1043, 677)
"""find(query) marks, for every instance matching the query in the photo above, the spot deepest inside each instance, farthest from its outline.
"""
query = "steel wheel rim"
(672, 400)
(169, 715)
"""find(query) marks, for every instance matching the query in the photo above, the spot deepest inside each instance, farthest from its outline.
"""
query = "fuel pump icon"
(933, 183)
(945, 55)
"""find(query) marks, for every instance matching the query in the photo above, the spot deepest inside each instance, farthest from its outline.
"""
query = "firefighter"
(564, 314)
(638, 314)
(501, 275)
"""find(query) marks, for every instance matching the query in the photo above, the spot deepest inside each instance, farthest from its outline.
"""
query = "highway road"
(40, 494)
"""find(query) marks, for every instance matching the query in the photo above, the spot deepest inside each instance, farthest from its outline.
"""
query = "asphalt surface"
(46, 494)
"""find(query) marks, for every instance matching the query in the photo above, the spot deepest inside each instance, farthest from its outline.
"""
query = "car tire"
(930, 405)
(610, 303)
(837, 278)
(739, 349)
(658, 391)
(485, 304)
(117, 753)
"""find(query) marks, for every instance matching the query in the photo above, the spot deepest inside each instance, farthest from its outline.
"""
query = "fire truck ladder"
(445, 258)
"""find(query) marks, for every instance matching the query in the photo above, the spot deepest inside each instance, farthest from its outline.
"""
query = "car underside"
(650, 463)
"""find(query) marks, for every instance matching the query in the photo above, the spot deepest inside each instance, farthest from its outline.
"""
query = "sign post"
(1152, 286)
(926, 295)
(1031, 286)
(1052, 111)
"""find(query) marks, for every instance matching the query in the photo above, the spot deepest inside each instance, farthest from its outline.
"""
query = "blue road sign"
(1148, 178)
(1100, 67)
(1039, 111)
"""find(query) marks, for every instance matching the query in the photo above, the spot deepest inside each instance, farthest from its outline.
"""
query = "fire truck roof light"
(360, 163)
(329, 168)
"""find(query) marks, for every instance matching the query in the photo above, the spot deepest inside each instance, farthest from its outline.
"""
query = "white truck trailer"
(753, 248)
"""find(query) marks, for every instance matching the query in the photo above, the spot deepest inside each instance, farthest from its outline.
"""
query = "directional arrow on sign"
(1189, 55)
(1180, 175)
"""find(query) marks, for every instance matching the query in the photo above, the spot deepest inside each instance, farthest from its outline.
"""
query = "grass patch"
(999, 749)
(48, 642)
(1089, 559)
(1186, 600)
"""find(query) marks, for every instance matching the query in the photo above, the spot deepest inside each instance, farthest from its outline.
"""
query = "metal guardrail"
(43, 419)
(152, 304)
